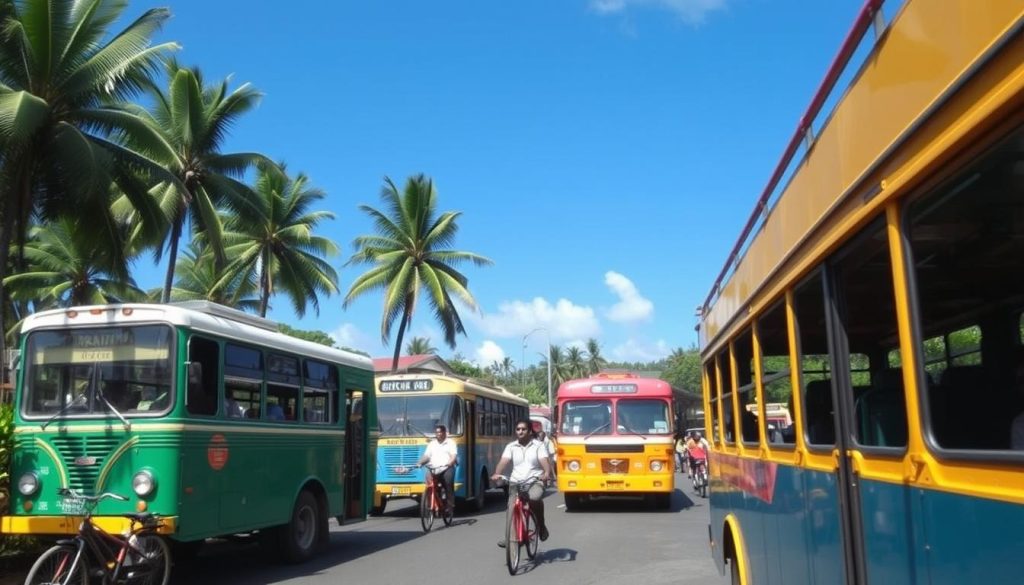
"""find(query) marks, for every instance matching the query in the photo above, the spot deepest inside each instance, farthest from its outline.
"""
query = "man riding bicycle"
(440, 455)
(696, 449)
(531, 462)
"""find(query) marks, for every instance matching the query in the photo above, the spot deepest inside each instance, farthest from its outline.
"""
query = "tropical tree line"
(111, 150)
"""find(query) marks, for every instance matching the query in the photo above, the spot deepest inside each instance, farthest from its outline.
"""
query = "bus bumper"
(43, 525)
(397, 491)
(611, 484)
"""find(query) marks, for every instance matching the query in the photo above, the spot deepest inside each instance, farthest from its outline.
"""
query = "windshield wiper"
(630, 431)
(62, 410)
(415, 428)
(127, 425)
(600, 428)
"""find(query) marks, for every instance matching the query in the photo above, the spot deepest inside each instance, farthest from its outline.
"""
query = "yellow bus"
(479, 418)
(879, 291)
(615, 437)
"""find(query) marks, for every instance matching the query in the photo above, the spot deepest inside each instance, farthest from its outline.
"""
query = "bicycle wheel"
(532, 541)
(154, 566)
(55, 566)
(427, 509)
(512, 542)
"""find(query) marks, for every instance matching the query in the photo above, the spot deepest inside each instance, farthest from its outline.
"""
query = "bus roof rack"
(211, 308)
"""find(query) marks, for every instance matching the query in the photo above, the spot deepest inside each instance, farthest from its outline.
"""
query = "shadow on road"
(611, 504)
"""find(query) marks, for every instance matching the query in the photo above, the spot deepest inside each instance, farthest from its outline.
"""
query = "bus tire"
(481, 493)
(301, 536)
(572, 502)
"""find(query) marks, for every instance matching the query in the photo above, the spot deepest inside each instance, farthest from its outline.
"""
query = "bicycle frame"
(520, 515)
(434, 486)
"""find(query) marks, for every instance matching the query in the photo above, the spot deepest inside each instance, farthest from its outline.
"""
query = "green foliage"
(9, 544)
(314, 336)
(684, 370)
(463, 367)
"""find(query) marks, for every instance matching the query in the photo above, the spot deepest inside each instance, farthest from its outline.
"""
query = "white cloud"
(635, 350)
(348, 335)
(489, 353)
(563, 320)
(691, 11)
(632, 306)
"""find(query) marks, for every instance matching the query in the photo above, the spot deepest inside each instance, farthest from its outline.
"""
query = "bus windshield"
(416, 416)
(88, 371)
(586, 417)
(646, 417)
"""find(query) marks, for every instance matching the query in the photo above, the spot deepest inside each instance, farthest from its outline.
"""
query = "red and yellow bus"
(615, 438)
(878, 293)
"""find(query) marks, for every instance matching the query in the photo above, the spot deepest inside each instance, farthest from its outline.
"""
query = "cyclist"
(440, 455)
(696, 448)
(530, 462)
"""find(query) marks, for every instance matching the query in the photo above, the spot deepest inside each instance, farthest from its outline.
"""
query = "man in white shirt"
(440, 459)
(531, 463)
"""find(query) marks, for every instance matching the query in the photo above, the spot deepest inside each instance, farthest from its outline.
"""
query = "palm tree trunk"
(264, 285)
(172, 257)
(398, 342)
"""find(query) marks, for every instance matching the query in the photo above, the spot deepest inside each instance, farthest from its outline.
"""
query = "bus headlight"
(656, 465)
(28, 484)
(573, 466)
(143, 483)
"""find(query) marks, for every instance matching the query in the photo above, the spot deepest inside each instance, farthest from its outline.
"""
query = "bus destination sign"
(406, 385)
(613, 389)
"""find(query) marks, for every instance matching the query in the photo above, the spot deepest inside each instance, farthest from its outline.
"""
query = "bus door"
(355, 455)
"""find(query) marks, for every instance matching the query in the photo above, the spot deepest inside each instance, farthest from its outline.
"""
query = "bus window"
(743, 350)
(243, 381)
(712, 382)
(776, 381)
(809, 309)
(201, 398)
(282, 387)
(864, 289)
(725, 382)
(587, 417)
(968, 288)
(320, 391)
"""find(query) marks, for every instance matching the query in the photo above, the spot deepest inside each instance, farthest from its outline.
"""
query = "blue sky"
(604, 153)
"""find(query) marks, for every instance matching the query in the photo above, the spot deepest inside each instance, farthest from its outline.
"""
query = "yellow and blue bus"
(200, 413)
(479, 418)
(615, 437)
(878, 292)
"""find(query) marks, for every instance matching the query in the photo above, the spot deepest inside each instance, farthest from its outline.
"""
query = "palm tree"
(61, 75)
(420, 346)
(191, 121)
(274, 239)
(506, 367)
(575, 363)
(594, 360)
(61, 272)
(559, 369)
(410, 256)
(198, 279)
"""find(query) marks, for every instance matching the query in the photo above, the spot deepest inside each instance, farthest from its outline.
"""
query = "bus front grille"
(84, 457)
(627, 448)
(398, 463)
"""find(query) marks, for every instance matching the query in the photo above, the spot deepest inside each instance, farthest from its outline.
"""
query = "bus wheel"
(481, 489)
(301, 534)
(572, 502)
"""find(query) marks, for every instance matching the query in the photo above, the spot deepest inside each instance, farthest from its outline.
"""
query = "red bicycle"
(433, 503)
(140, 556)
(521, 527)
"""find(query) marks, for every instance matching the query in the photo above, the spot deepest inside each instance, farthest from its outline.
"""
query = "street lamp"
(548, 360)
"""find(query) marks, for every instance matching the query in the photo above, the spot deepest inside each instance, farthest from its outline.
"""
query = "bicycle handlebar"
(70, 493)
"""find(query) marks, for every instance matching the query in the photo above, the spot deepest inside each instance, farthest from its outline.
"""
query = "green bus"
(203, 414)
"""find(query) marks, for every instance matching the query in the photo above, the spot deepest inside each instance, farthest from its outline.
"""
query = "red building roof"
(407, 362)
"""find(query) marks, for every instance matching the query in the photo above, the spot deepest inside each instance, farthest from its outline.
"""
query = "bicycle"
(433, 503)
(138, 557)
(700, 477)
(521, 527)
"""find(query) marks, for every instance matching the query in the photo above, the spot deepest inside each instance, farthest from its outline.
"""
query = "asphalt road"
(609, 541)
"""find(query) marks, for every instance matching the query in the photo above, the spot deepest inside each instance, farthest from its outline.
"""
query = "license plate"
(400, 491)
(615, 485)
